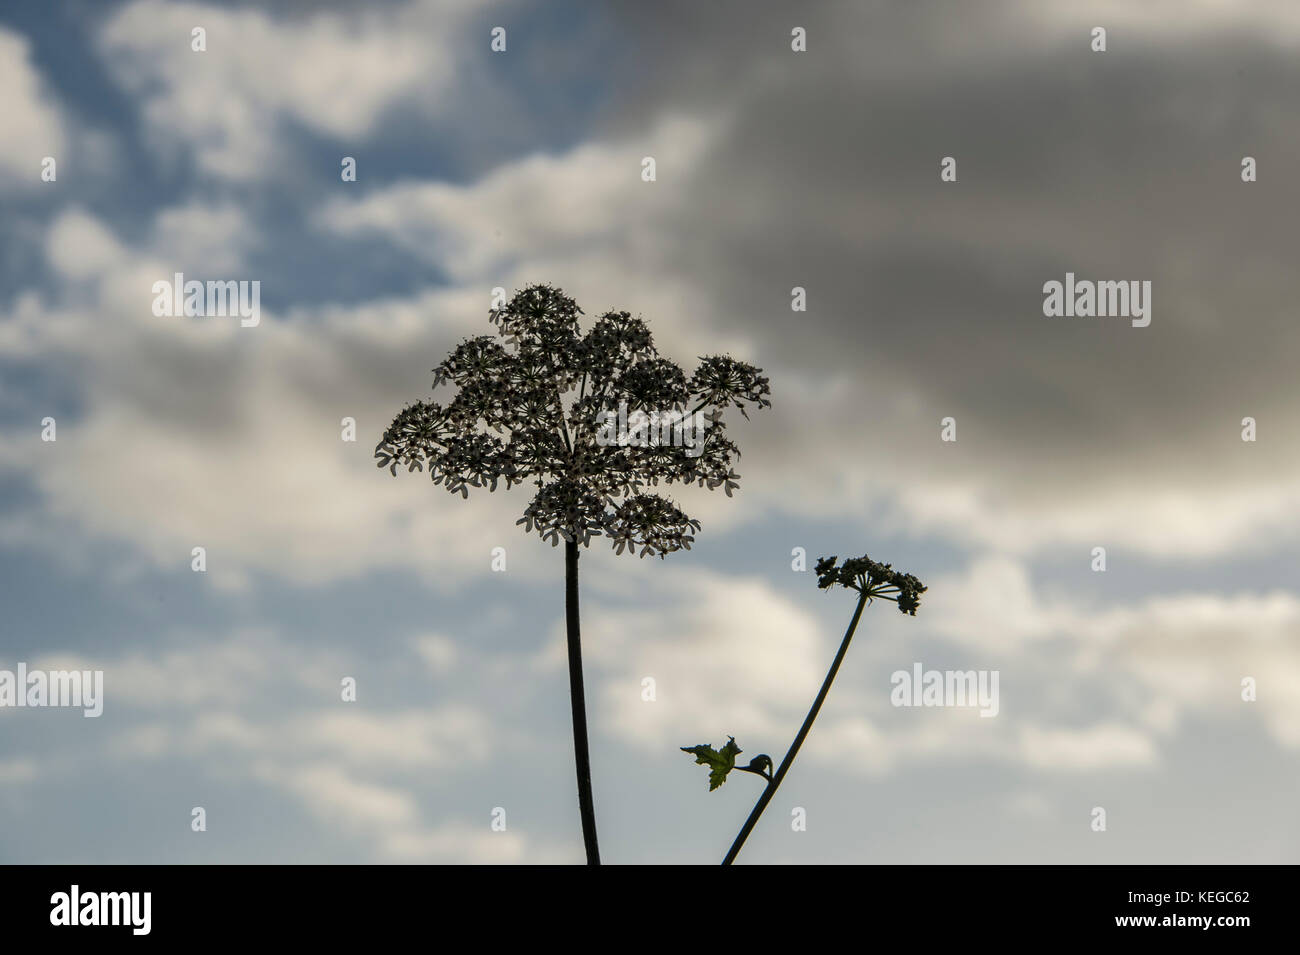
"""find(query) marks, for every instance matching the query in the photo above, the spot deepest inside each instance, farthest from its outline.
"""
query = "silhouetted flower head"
(528, 407)
(873, 579)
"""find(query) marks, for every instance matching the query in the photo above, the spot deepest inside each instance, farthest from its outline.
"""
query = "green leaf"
(719, 763)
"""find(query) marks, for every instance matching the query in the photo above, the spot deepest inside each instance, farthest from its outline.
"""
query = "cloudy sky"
(774, 169)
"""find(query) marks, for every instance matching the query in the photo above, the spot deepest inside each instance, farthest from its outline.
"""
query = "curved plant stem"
(770, 790)
(579, 704)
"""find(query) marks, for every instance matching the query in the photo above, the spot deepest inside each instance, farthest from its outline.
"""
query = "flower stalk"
(872, 581)
(774, 782)
(523, 412)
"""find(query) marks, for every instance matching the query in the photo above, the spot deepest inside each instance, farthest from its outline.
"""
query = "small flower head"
(872, 579)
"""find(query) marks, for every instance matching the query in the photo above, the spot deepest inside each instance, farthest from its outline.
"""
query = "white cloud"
(459, 842)
(337, 797)
(1197, 520)
(1082, 750)
(391, 818)
(34, 124)
(1158, 659)
(437, 651)
(205, 240)
(435, 738)
(540, 209)
(954, 736)
(728, 656)
(991, 604)
(335, 73)
(79, 246)
(1277, 21)
(245, 704)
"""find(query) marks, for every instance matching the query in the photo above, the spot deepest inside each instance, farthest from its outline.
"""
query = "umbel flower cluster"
(526, 409)
(872, 579)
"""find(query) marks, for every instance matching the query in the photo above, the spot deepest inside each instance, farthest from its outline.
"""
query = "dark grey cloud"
(1116, 165)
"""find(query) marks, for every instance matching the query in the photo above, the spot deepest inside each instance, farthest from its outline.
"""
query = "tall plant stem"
(579, 704)
(784, 768)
